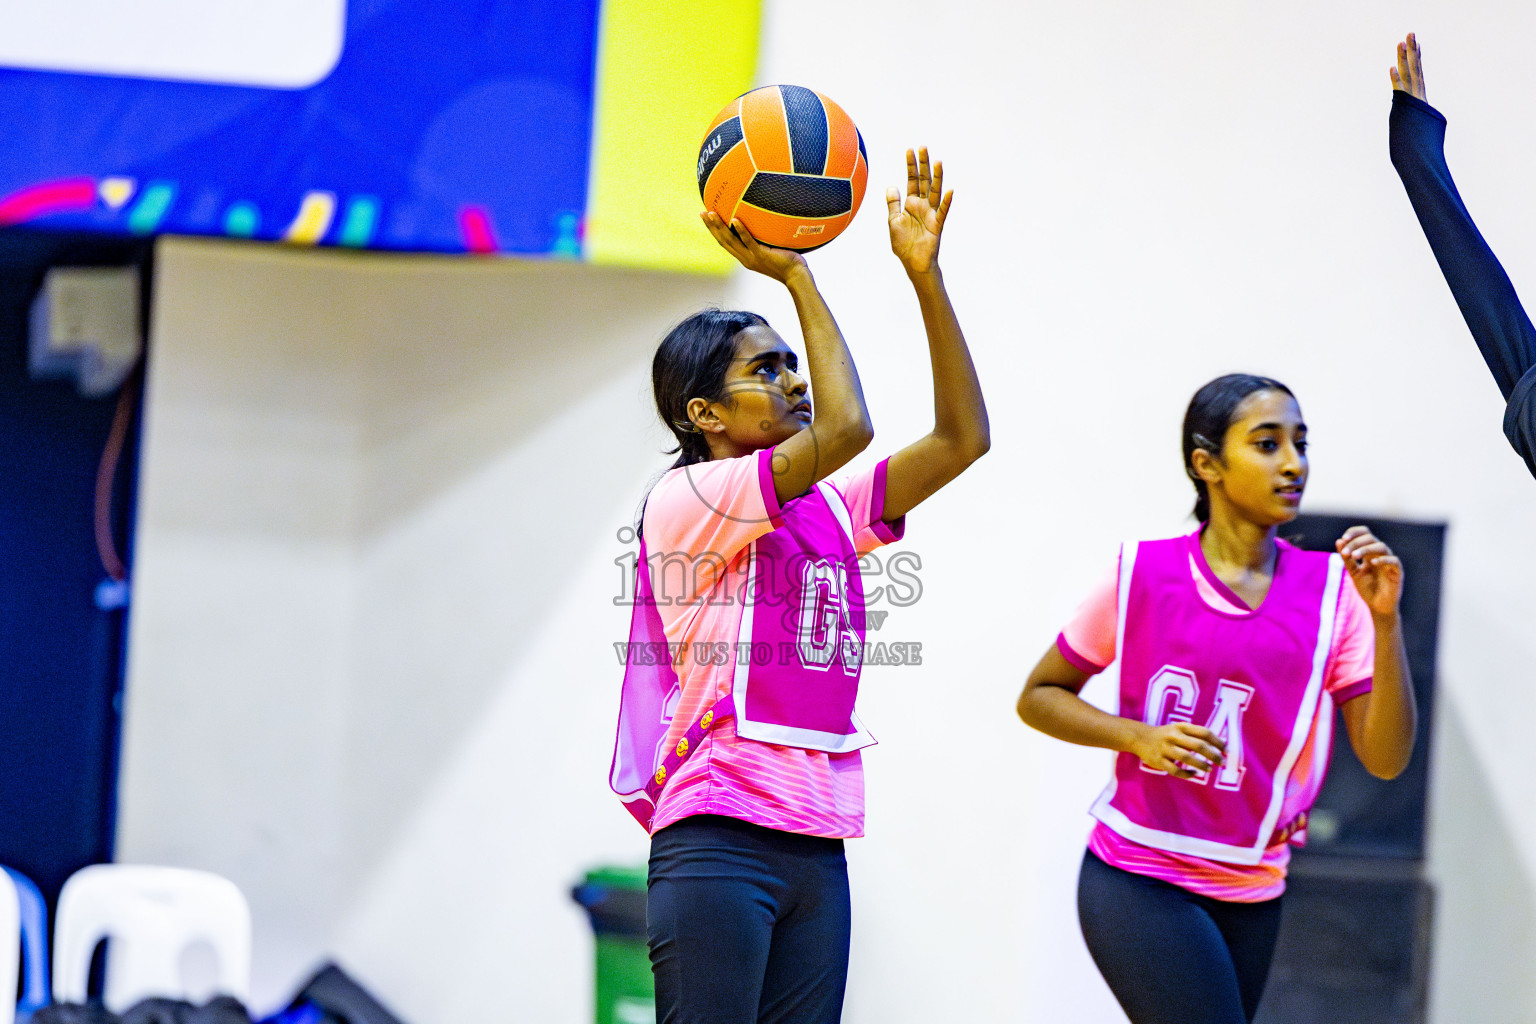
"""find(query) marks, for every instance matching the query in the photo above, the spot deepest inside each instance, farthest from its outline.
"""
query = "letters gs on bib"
(825, 629)
(1171, 697)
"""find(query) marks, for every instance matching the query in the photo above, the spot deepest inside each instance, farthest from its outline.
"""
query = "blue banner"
(381, 124)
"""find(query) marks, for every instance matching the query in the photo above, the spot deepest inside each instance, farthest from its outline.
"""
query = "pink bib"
(1253, 678)
(804, 617)
(798, 657)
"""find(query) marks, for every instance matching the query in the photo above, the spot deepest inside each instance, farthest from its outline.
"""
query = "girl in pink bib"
(738, 745)
(1234, 647)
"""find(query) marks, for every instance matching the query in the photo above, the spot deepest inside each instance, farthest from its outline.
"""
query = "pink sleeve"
(1352, 657)
(712, 508)
(1087, 641)
(864, 494)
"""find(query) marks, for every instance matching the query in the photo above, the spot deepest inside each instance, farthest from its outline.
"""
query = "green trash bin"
(614, 899)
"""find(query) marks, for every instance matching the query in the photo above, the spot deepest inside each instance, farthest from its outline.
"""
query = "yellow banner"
(664, 71)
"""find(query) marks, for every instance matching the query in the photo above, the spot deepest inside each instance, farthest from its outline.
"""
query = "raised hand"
(735, 239)
(918, 220)
(1409, 73)
(1377, 572)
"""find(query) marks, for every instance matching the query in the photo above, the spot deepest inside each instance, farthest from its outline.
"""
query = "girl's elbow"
(863, 432)
(1388, 765)
(1025, 706)
(844, 437)
(963, 448)
(974, 436)
(1389, 769)
(979, 446)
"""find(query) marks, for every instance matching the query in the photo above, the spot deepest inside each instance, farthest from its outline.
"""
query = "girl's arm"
(840, 426)
(1050, 703)
(960, 432)
(1482, 290)
(1381, 723)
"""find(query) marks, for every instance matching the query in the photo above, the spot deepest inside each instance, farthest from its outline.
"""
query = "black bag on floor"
(73, 1013)
(330, 997)
(218, 1010)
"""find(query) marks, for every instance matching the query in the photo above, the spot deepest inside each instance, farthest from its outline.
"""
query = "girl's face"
(765, 398)
(1262, 470)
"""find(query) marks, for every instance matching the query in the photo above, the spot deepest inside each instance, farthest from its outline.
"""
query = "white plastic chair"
(151, 915)
(10, 947)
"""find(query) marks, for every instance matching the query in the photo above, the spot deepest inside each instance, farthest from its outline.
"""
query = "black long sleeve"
(1482, 290)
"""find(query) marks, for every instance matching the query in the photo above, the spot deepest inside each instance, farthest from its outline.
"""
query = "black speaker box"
(1356, 814)
(1355, 929)
(1354, 949)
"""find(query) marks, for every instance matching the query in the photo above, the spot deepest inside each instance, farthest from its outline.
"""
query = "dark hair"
(1206, 421)
(691, 362)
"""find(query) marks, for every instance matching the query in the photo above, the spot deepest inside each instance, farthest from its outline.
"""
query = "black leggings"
(1172, 956)
(746, 925)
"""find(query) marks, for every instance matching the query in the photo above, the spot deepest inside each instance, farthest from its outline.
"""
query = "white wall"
(371, 676)
(368, 485)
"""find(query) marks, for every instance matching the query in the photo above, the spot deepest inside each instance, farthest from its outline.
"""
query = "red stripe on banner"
(59, 196)
(479, 234)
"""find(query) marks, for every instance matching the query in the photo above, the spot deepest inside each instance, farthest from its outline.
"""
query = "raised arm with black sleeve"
(1482, 290)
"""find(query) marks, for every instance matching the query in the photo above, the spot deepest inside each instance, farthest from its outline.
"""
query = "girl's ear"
(1205, 466)
(704, 415)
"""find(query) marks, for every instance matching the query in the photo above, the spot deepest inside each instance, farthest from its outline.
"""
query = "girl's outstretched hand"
(918, 221)
(1409, 73)
(735, 239)
(1377, 572)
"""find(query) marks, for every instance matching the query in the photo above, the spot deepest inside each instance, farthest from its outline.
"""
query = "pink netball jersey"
(1263, 679)
(750, 713)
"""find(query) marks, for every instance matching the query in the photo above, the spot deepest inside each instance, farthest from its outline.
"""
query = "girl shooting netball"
(748, 774)
(1234, 647)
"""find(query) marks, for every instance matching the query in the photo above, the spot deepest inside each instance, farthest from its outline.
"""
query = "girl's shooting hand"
(1377, 572)
(1409, 73)
(735, 239)
(1181, 749)
(918, 220)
